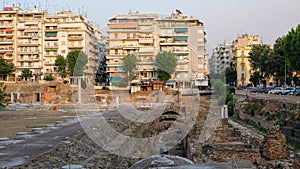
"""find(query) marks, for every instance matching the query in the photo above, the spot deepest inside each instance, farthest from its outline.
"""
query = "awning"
(8, 29)
(115, 79)
(51, 34)
(180, 37)
(178, 30)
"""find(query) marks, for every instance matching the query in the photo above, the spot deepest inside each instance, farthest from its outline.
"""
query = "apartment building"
(29, 42)
(242, 47)
(7, 37)
(34, 38)
(65, 32)
(222, 57)
(145, 35)
(132, 34)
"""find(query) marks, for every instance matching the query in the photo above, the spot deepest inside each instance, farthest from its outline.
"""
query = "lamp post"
(284, 72)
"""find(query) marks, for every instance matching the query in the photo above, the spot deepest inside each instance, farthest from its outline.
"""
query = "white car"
(275, 90)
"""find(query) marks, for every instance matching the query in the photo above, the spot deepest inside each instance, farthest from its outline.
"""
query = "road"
(18, 153)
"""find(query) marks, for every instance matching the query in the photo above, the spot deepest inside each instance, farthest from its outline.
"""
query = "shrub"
(49, 77)
(105, 88)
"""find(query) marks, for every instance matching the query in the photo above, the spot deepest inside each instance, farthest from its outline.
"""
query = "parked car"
(262, 90)
(276, 90)
(287, 90)
(295, 92)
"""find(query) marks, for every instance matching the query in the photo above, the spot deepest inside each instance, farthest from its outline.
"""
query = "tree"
(61, 64)
(77, 61)
(3, 94)
(231, 75)
(287, 47)
(49, 77)
(260, 61)
(26, 73)
(129, 64)
(166, 64)
(255, 78)
(6, 68)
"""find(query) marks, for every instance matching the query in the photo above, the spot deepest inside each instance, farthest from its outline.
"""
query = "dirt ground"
(12, 122)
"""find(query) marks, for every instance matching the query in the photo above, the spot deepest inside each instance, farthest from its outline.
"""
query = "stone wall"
(268, 110)
(48, 93)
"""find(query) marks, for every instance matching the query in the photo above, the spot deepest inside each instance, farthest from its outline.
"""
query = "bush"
(105, 88)
(49, 77)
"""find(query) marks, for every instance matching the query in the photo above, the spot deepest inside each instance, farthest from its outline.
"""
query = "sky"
(224, 20)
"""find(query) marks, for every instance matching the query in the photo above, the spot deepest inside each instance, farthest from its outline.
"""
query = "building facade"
(242, 47)
(145, 35)
(221, 58)
(34, 38)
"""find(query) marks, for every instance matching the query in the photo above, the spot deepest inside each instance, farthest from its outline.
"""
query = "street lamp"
(285, 72)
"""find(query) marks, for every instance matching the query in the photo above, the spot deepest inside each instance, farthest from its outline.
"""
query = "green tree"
(6, 68)
(26, 73)
(129, 64)
(61, 64)
(287, 47)
(278, 61)
(260, 61)
(49, 77)
(231, 75)
(3, 94)
(77, 61)
(166, 64)
(255, 78)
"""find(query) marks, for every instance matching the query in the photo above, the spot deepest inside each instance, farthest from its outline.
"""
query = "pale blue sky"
(223, 19)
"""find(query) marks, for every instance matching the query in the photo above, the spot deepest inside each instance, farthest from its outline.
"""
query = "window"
(243, 76)
(63, 51)
(200, 48)
(200, 32)
(200, 39)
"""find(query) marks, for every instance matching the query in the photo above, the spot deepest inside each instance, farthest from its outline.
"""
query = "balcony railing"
(28, 43)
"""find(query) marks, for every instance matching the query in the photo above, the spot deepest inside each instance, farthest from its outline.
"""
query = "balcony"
(115, 70)
(182, 70)
(3, 50)
(28, 59)
(6, 18)
(8, 59)
(75, 38)
(173, 43)
(146, 50)
(24, 36)
(29, 66)
(6, 42)
(182, 62)
(181, 52)
(7, 34)
(51, 30)
(28, 44)
(146, 30)
(145, 62)
(6, 25)
(48, 63)
(75, 46)
(131, 37)
(146, 41)
(28, 51)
